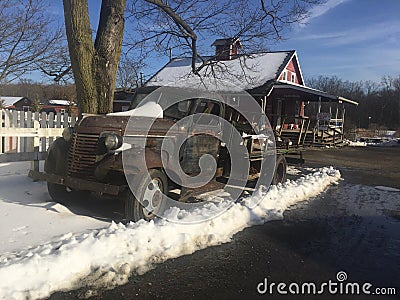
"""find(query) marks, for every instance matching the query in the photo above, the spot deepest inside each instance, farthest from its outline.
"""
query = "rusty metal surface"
(77, 183)
(82, 155)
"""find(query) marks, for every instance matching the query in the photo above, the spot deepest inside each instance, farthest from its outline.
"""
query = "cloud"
(384, 31)
(322, 9)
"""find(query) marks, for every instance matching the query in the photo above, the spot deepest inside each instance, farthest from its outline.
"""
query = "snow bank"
(291, 170)
(108, 256)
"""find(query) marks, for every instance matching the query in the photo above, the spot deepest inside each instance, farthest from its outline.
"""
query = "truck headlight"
(111, 140)
(67, 133)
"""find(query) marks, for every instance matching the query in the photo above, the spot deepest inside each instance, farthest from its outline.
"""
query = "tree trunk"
(108, 46)
(81, 50)
(94, 65)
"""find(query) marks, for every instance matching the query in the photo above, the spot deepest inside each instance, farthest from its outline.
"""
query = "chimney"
(226, 49)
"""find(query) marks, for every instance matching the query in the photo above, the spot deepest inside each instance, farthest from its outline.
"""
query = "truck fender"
(57, 157)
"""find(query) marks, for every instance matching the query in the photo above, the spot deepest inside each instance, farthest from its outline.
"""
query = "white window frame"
(284, 75)
(293, 77)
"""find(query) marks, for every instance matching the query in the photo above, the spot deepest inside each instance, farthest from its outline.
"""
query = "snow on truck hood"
(149, 109)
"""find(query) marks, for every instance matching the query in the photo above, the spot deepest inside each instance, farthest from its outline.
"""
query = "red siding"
(292, 68)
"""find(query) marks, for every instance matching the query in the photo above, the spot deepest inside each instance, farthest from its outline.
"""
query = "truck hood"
(118, 124)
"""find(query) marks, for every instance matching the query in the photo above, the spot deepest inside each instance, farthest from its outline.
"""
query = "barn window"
(284, 75)
(293, 78)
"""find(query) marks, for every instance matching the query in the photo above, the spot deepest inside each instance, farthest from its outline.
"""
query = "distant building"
(58, 105)
(17, 103)
(122, 100)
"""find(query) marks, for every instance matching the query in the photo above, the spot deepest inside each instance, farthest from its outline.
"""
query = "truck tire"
(61, 194)
(280, 170)
(150, 192)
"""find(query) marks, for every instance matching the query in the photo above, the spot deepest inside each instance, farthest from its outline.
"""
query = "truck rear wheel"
(62, 194)
(151, 195)
(280, 170)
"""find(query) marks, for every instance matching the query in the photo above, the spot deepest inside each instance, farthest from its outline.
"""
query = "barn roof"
(9, 101)
(245, 72)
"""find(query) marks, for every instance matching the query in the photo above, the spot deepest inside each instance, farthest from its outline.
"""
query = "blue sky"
(352, 39)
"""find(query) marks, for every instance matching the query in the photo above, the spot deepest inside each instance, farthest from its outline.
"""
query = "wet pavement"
(353, 227)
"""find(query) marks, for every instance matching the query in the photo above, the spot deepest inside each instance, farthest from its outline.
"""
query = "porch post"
(343, 113)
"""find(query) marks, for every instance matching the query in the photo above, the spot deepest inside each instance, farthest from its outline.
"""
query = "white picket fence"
(26, 136)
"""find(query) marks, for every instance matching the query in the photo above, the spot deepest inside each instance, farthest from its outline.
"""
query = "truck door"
(202, 138)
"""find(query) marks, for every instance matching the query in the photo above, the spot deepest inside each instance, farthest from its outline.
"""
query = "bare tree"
(379, 102)
(158, 25)
(32, 90)
(128, 75)
(27, 37)
(161, 25)
(58, 65)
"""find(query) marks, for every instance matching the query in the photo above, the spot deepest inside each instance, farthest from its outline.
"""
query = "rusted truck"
(89, 157)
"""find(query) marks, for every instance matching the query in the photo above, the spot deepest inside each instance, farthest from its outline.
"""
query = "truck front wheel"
(150, 190)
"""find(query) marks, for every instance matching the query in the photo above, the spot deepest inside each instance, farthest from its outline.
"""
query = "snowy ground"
(384, 143)
(28, 217)
(46, 248)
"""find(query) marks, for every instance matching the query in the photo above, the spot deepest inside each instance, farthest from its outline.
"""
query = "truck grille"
(82, 155)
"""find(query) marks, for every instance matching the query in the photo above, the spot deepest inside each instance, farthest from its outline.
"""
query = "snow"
(107, 257)
(384, 143)
(59, 102)
(242, 73)
(356, 143)
(291, 170)
(387, 188)
(28, 217)
(149, 109)
(389, 143)
(9, 101)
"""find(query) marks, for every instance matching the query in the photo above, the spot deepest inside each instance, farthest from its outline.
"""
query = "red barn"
(58, 106)
(275, 80)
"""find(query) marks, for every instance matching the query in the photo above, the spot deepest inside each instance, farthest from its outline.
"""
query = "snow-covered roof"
(59, 102)
(244, 72)
(8, 101)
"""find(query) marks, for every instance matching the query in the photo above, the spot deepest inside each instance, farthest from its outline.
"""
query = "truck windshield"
(136, 100)
(176, 111)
